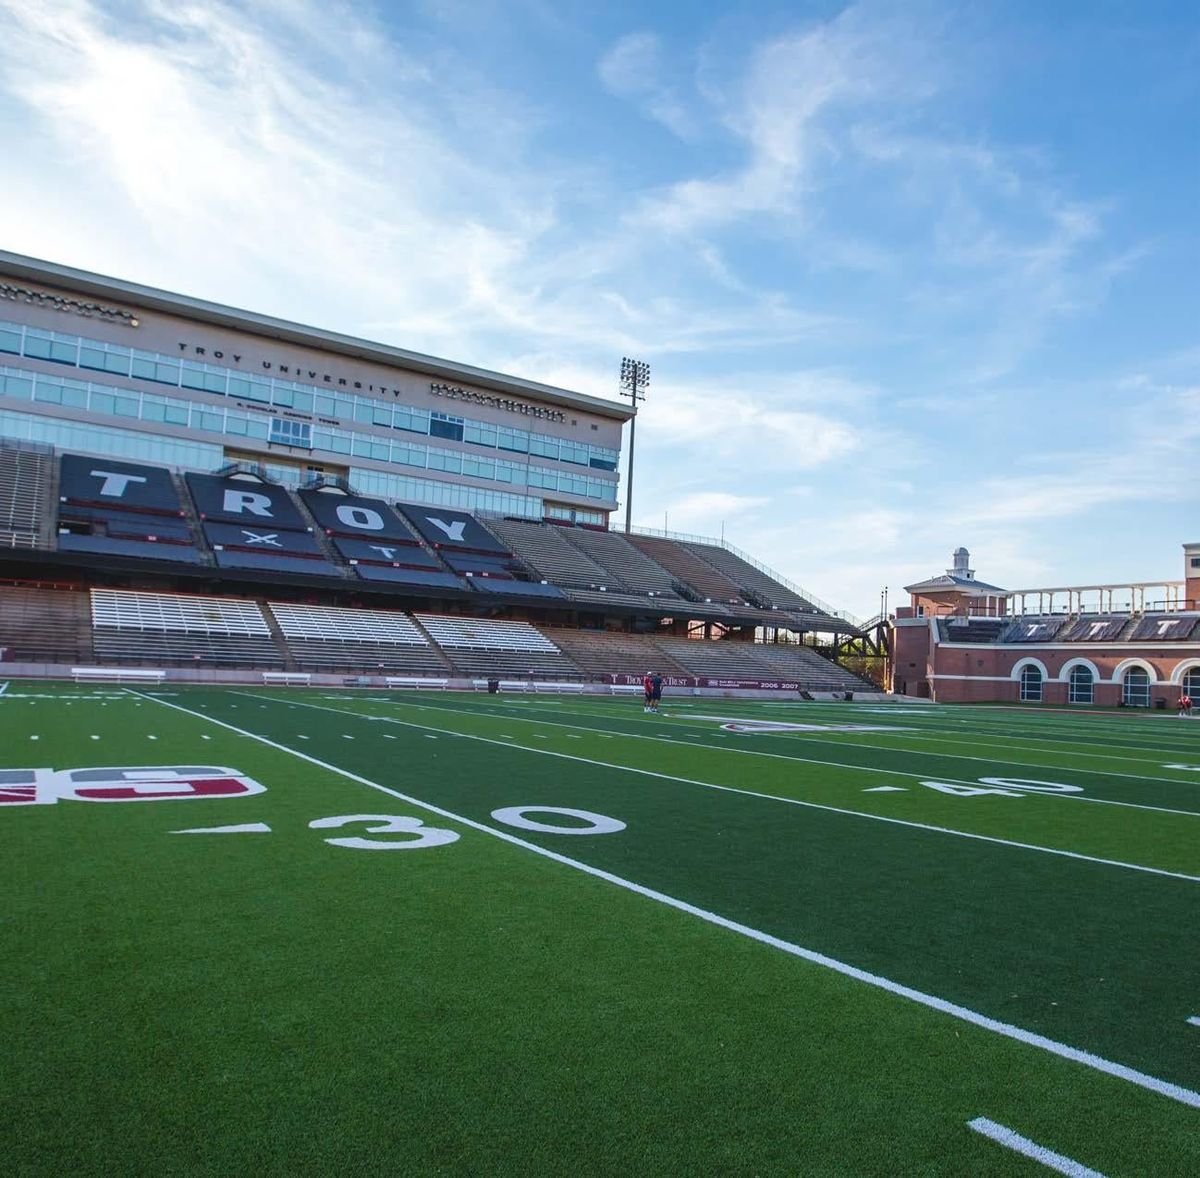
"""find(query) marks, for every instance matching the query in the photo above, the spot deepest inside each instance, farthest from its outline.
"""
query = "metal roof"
(152, 299)
(949, 581)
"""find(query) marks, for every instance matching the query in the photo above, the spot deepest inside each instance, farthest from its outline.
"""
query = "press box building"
(94, 364)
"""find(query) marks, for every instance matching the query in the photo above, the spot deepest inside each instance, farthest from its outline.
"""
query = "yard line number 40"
(1005, 787)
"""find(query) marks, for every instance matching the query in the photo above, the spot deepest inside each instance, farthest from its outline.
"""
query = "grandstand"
(210, 504)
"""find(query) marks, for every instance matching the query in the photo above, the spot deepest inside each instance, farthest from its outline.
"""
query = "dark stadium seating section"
(974, 629)
(353, 515)
(110, 545)
(1164, 629)
(244, 500)
(138, 525)
(124, 485)
(1094, 629)
(440, 527)
(408, 578)
(266, 540)
(531, 589)
(122, 509)
(396, 552)
(1034, 630)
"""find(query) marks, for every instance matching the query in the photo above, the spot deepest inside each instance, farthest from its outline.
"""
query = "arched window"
(1082, 685)
(1191, 683)
(1031, 684)
(1136, 688)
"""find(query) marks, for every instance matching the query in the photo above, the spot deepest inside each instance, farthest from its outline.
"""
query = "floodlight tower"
(635, 376)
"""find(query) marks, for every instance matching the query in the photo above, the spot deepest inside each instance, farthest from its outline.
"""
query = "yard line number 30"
(419, 836)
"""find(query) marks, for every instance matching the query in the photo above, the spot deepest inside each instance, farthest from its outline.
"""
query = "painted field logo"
(135, 783)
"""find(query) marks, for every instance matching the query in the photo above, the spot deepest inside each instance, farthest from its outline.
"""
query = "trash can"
(849, 696)
(1160, 703)
(493, 686)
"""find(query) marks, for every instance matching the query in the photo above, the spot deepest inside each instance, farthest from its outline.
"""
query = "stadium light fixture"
(635, 377)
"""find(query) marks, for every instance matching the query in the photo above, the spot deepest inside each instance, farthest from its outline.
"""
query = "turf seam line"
(1013, 1140)
(1108, 1067)
(966, 834)
(808, 760)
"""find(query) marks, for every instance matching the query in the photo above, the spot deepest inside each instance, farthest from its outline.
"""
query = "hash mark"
(1030, 1149)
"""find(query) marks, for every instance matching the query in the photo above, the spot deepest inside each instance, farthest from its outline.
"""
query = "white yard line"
(1165, 1088)
(984, 838)
(1039, 1153)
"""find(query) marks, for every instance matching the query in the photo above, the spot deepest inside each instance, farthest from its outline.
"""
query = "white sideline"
(731, 789)
(1039, 1153)
(1120, 1071)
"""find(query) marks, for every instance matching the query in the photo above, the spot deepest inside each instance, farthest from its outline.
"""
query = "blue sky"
(908, 275)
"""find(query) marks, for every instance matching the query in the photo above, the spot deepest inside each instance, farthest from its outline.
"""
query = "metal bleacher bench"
(116, 675)
(287, 678)
(528, 685)
(413, 681)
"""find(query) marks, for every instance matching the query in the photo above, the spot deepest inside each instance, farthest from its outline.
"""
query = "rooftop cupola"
(962, 561)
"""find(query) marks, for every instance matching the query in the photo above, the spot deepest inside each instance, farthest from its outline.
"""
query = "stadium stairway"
(443, 658)
(193, 521)
(281, 643)
(324, 543)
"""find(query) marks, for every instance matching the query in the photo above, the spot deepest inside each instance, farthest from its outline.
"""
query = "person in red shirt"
(648, 688)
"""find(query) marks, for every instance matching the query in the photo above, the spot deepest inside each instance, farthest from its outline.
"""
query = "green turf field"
(777, 951)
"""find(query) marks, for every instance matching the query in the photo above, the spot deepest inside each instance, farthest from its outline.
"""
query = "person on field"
(648, 690)
(656, 686)
(1185, 705)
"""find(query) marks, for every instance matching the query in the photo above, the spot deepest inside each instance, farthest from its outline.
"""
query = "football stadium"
(277, 602)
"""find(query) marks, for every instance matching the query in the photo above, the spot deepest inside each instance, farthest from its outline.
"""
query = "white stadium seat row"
(127, 610)
(346, 625)
(486, 634)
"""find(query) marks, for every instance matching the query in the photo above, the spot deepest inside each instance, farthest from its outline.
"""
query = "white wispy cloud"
(634, 69)
(778, 111)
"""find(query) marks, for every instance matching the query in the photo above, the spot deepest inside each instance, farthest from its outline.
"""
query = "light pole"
(635, 376)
